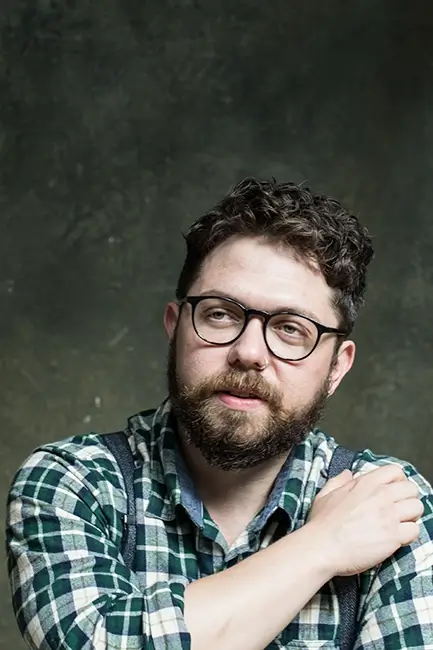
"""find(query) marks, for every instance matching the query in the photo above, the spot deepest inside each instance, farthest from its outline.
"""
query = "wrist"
(318, 550)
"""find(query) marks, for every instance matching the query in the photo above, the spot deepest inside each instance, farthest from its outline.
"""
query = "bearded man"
(239, 533)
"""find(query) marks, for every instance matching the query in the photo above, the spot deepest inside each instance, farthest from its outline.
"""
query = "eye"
(218, 314)
(290, 329)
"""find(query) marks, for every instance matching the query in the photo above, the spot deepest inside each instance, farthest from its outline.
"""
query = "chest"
(182, 553)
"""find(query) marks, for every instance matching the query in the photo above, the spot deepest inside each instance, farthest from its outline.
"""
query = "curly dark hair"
(316, 227)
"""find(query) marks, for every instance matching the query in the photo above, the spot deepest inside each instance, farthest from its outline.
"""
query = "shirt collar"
(172, 485)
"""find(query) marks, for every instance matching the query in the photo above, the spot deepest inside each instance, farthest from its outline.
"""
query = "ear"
(171, 317)
(342, 364)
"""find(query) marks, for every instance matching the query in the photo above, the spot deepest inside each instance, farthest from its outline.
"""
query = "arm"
(248, 605)
(354, 524)
(398, 610)
(70, 587)
(72, 590)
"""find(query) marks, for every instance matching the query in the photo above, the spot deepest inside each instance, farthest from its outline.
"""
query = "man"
(239, 533)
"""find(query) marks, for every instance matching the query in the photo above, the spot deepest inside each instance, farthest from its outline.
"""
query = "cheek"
(300, 382)
(196, 362)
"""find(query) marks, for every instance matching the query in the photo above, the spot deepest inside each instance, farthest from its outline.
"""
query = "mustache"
(236, 382)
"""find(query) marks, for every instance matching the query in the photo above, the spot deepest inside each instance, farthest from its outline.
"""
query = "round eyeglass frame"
(265, 316)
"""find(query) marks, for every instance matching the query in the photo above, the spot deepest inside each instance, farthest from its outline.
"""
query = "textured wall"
(122, 120)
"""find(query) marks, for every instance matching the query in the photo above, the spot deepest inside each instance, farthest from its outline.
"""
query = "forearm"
(248, 605)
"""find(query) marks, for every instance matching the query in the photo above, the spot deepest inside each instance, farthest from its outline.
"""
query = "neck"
(227, 494)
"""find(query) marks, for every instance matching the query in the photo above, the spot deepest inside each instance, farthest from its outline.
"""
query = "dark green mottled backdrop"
(122, 120)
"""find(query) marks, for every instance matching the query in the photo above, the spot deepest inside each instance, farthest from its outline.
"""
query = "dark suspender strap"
(118, 444)
(345, 586)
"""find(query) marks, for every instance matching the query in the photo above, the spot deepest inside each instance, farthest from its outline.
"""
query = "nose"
(250, 351)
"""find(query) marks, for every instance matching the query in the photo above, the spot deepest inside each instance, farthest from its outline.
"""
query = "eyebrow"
(301, 311)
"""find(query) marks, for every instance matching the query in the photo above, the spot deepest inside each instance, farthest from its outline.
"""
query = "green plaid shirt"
(72, 591)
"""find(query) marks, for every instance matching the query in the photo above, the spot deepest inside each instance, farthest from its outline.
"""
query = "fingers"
(409, 510)
(402, 490)
(391, 473)
(408, 532)
(334, 483)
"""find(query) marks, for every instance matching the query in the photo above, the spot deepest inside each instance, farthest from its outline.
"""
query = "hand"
(362, 521)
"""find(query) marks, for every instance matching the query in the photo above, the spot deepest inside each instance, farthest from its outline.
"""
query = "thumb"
(337, 482)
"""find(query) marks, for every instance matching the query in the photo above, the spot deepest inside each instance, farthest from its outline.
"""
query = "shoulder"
(409, 560)
(422, 549)
(323, 446)
(83, 462)
(409, 571)
(75, 463)
(367, 461)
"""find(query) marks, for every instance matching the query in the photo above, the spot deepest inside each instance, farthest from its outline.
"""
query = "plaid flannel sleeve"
(70, 587)
(398, 611)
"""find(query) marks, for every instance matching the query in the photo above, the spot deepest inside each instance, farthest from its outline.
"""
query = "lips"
(240, 402)
(242, 395)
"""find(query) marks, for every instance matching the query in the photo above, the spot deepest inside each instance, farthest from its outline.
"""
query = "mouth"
(242, 394)
(240, 400)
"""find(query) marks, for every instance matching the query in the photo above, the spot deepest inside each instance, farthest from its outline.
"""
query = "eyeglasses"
(288, 336)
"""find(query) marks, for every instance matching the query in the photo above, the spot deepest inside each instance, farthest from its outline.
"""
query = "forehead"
(265, 275)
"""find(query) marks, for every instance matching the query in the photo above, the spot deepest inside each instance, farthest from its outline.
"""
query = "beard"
(233, 440)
